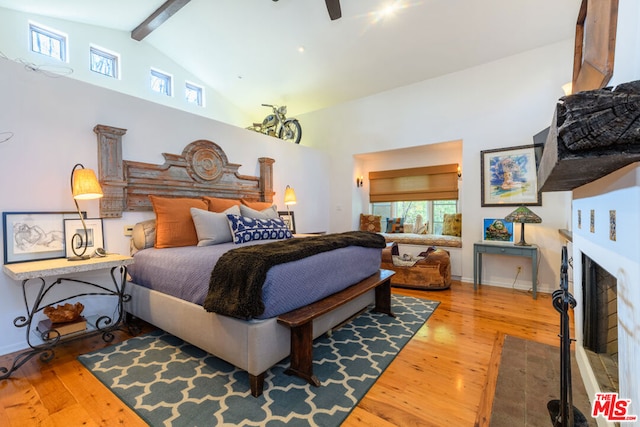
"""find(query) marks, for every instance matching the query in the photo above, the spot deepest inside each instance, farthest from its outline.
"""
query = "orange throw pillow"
(174, 225)
(217, 204)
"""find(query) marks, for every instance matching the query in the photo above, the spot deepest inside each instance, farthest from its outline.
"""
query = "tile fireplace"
(606, 247)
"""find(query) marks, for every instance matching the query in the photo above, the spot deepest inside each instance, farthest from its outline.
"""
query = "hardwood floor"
(445, 376)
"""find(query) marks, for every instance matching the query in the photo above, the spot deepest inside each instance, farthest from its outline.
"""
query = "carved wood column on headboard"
(266, 178)
(111, 170)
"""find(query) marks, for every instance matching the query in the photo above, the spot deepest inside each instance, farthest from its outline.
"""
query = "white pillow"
(212, 228)
(269, 213)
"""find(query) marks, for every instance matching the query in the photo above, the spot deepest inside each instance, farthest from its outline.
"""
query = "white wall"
(500, 104)
(52, 122)
(136, 60)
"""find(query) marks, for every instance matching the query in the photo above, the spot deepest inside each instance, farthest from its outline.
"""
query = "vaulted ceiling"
(290, 52)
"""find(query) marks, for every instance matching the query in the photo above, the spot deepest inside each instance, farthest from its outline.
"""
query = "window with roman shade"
(423, 183)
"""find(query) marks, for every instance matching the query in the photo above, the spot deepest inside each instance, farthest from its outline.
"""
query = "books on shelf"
(63, 329)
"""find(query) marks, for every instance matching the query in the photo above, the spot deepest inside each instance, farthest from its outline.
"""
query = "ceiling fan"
(333, 7)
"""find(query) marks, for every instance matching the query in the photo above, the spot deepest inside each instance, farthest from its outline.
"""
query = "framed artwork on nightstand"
(95, 237)
(289, 220)
(34, 236)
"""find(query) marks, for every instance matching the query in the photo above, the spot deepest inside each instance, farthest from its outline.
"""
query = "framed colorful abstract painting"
(509, 176)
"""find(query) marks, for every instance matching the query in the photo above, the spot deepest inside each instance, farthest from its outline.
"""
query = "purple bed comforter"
(185, 273)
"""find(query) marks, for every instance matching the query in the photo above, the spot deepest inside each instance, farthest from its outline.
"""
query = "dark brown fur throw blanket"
(235, 288)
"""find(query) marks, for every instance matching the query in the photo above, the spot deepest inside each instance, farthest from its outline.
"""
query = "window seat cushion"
(424, 239)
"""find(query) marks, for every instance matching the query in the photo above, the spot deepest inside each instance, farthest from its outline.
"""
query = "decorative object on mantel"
(64, 313)
(592, 134)
(84, 186)
(523, 215)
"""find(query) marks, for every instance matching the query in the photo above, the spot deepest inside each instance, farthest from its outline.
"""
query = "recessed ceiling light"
(389, 9)
(301, 49)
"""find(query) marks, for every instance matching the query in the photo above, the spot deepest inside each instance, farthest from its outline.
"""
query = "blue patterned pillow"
(245, 229)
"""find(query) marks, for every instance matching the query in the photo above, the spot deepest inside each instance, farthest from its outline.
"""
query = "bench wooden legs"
(302, 337)
(383, 298)
(302, 353)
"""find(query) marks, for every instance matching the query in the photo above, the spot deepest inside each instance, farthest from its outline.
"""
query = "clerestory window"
(161, 82)
(103, 62)
(194, 94)
(48, 42)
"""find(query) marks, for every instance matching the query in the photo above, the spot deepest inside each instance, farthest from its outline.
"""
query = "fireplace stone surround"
(606, 228)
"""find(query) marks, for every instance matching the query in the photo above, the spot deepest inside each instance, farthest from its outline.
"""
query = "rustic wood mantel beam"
(157, 18)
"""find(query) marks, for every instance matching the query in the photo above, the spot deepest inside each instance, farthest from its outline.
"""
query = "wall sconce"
(359, 181)
(459, 172)
(84, 186)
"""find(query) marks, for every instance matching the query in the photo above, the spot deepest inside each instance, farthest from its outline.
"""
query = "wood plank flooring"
(444, 377)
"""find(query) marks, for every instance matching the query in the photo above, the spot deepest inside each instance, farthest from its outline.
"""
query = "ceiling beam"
(157, 18)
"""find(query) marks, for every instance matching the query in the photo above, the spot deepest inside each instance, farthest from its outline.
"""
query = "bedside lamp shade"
(289, 196)
(84, 186)
(523, 215)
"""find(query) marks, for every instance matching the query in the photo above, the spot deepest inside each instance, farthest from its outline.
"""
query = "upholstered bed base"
(253, 346)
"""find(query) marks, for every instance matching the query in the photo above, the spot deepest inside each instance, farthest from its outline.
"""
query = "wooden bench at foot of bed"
(301, 320)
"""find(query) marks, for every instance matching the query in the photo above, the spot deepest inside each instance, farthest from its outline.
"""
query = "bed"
(253, 341)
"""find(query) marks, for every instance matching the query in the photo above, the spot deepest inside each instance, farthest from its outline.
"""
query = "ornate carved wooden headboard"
(201, 170)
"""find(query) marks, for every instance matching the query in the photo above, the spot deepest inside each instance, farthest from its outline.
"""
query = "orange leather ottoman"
(431, 273)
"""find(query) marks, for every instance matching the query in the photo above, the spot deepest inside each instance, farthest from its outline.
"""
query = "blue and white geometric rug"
(169, 382)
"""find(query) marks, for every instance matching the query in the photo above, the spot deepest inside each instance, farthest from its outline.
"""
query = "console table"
(504, 249)
(58, 272)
